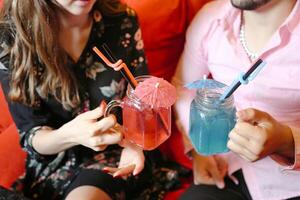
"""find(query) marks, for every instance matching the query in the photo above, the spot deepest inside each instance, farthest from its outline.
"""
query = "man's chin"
(248, 4)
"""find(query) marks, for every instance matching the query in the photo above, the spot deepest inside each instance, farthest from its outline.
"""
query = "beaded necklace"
(250, 54)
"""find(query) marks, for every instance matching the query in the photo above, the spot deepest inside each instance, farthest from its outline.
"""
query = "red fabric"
(175, 194)
(12, 157)
(5, 119)
(163, 25)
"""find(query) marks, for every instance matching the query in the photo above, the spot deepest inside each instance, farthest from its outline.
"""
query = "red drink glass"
(145, 126)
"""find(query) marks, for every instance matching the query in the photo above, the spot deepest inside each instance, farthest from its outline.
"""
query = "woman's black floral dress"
(48, 177)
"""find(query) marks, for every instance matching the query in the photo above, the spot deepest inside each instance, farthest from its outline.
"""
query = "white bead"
(251, 55)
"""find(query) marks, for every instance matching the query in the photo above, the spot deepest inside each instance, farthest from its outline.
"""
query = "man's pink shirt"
(213, 47)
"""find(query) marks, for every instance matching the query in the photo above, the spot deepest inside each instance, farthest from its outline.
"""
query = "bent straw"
(244, 78)
(124, 70)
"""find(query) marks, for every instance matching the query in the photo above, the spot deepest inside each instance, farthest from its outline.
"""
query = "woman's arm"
(83, 130)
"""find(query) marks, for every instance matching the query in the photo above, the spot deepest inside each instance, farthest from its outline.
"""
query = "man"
(224, 39)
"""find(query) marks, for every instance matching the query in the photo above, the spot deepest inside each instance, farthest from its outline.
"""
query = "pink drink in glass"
(145, 126)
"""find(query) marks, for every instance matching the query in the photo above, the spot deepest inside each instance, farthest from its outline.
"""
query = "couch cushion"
(5, 117)
(12, 157)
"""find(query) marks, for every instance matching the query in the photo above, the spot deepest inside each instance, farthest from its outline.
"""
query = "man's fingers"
(242, 151)
(217, 177)
(203, 179)
(253, 116)
(248, 131)
(222, 165)
(243, 142)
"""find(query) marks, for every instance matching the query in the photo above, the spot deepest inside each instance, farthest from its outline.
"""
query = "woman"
(54, 84)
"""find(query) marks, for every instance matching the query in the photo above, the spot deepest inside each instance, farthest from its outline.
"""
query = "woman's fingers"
(124, 171)
(106, 123)
(138, 168)
(105, 139)
(94, 114)
(110, 170)
(118, 172)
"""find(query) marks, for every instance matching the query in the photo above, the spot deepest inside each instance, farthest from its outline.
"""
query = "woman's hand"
(209, 170)
(131, 161)
(257, 134)
(86, 130)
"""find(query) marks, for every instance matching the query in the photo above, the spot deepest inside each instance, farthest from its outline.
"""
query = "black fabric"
(99, 179)
(9, 195)
(210, 192)
(230, 192)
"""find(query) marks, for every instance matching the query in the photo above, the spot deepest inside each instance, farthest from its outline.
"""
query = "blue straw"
(244, 78)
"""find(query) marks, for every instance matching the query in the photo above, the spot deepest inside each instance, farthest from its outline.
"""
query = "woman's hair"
(37, 62)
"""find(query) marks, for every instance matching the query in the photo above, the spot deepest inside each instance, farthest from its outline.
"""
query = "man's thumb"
(252, 115)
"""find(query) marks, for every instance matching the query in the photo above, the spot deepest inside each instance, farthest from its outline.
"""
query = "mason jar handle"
(112, 104)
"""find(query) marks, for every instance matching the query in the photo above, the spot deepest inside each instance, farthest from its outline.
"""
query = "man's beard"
(249, 4)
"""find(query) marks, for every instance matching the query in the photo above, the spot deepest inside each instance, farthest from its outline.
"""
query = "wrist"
(196, 156)
(287, 149)
(66, 137)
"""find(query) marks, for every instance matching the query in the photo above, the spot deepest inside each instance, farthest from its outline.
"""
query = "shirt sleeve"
(192, 66)
(27, 119)
(290, 164)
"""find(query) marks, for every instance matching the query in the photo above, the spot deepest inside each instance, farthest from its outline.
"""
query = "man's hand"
(257, 134)
(209, 170)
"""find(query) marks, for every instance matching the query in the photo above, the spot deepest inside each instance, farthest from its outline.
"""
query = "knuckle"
(231, 134)
(256, 149)
(91, 132)
(99, 140)
(255, 158)
(251, 112)
(92, 142)
(230, 145)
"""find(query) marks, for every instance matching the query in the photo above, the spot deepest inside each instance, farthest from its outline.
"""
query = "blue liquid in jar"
(210, 124)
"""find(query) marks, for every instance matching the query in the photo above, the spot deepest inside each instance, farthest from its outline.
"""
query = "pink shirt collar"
(232, 15)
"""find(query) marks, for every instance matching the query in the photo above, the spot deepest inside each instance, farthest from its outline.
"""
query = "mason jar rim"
(209, 98)
(129, 92)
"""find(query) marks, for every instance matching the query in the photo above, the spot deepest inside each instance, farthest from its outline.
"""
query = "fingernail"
(105, 170)
(220, 185)
(116, 176)
(234, 179)
(103, 103)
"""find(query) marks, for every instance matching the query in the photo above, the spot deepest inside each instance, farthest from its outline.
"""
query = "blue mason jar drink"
(211, 120)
